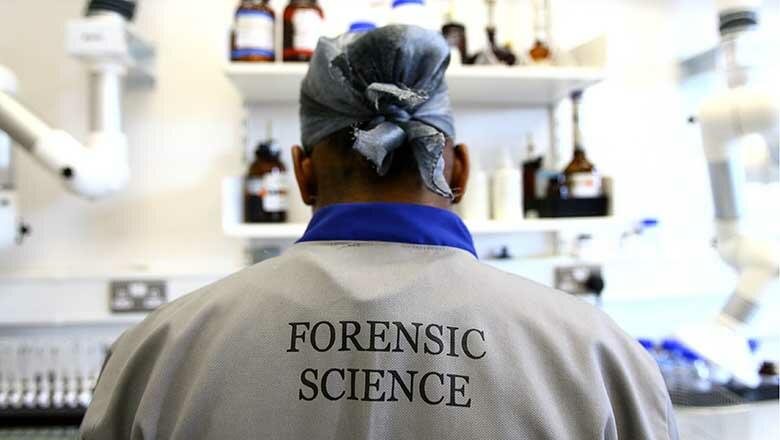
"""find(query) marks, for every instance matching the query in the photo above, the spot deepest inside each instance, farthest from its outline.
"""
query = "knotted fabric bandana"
(388, 84)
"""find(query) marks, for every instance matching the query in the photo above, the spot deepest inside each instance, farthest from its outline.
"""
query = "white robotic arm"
(93, 171)
(104, 41)
(726, 118)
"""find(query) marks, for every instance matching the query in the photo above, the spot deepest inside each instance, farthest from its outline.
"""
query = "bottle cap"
(689, 355)
(754, 344)
(397, 3)
(671, 345)
(361, 26)
(649, 222)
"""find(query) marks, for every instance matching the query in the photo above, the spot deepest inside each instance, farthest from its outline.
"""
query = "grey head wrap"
(388, 84)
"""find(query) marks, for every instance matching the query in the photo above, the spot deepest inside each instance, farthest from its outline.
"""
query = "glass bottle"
(455, 34)
(265, 187)
(531, 167)
(580, 174)
(493, 53)
(540, 52)
(253, 36)
(303, 26)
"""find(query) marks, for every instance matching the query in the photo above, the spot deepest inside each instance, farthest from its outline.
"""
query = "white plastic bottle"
(506, 191)
(413, 12)
(475, 205)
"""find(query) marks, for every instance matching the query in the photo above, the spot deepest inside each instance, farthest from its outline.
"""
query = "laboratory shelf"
(261, 83)
(233, 225)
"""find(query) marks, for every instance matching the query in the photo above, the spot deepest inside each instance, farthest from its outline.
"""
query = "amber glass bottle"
(540, 52)
(580, 175)
(253, 36)
(265, 188)
(303, 27)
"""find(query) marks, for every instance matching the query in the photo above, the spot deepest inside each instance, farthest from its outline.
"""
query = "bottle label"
(308, 28)
(254, 33)
(272, 190)
(584, 185)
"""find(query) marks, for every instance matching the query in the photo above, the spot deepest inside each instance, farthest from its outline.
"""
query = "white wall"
(186, 133)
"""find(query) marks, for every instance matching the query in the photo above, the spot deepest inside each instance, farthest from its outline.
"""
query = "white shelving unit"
(529, 86)
(233, 225)
(263, 84)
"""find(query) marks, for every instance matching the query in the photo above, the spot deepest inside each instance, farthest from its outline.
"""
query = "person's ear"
(460, 172)
(304, 175)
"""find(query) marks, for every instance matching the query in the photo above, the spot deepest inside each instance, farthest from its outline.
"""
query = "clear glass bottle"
(581, 177)
(253, 35)
(304, 24)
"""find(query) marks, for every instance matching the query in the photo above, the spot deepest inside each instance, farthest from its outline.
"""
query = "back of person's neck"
(425, 199)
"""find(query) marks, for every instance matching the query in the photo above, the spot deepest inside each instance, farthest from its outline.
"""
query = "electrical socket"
(129, 296)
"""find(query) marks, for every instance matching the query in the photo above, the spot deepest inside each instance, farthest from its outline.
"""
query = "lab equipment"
(726, 118)
(48, 381)
(505, 191)
(253, 37)
(104, 41)
(304, 24)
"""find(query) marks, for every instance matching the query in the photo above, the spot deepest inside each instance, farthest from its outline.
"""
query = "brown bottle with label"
(265, 187)
(303, 26)
(253, 36)
(580, 175)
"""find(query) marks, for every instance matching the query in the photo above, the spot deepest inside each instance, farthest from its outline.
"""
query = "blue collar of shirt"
(389, 222)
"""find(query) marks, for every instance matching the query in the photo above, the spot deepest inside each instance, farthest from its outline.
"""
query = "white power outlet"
(127, 296)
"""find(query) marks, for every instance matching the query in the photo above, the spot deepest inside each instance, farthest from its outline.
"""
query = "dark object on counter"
(265, 188)
(769, 369)
(125, 8)
(39, 417)
(303, 26)
(253, 36)
(556, 188)
(503, 254)
(571, 207)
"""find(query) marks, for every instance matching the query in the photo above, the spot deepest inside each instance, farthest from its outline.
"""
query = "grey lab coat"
(357, 340)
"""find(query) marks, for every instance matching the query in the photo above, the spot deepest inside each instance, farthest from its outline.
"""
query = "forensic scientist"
(380, 322)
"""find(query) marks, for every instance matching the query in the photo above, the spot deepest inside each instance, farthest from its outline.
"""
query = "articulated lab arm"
(100, 167)
(726, 119)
